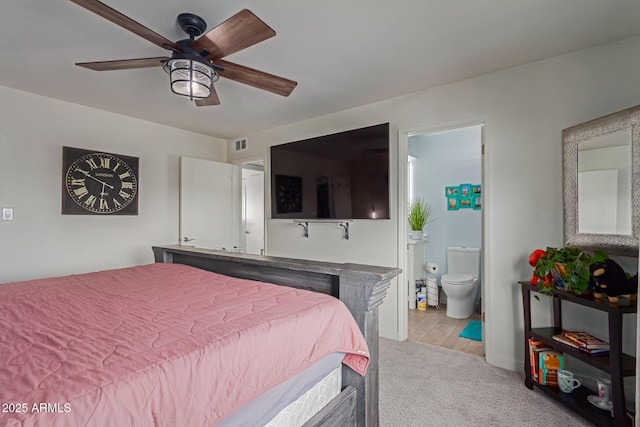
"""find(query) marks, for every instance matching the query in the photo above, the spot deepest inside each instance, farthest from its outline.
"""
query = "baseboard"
(500, 361)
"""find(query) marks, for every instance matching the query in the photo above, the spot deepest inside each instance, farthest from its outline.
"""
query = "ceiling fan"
(196, 64)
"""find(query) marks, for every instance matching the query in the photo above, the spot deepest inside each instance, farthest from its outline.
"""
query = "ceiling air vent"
(239, 144)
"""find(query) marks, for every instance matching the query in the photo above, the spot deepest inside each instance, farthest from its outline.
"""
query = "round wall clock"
(98, 183)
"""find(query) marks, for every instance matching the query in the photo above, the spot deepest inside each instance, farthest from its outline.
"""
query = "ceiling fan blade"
(212, 100)
(255, 78)
(242, 30)
(127, 23)
(124, 64)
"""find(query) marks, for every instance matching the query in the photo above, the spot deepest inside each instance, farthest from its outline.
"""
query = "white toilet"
(460, 283)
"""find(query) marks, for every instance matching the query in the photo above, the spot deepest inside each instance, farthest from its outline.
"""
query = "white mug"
(604, 389)
(566, 381)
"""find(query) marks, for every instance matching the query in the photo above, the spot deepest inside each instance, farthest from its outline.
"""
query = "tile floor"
(432, 326)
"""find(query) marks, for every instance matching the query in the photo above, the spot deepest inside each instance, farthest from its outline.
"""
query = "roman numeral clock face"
(99, 183)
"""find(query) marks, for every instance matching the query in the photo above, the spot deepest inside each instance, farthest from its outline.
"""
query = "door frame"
(246, 164)
(403, 186)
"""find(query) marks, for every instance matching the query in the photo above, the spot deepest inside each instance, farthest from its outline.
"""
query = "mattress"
(161, 344)
(301, 410)
(294, 401)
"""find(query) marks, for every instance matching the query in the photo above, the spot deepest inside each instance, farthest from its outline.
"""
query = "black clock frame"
(84, 183)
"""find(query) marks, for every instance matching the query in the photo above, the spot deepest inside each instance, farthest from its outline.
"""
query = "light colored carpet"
(425, 385)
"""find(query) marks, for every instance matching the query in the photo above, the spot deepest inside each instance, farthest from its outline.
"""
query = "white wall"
(41, 242)
(525, 109)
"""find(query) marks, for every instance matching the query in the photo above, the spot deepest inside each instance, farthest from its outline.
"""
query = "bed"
(151, 337)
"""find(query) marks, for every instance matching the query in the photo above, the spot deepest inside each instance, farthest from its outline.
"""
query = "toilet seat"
(457, 279)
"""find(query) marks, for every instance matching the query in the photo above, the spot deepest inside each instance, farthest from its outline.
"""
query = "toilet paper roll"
(433, 268)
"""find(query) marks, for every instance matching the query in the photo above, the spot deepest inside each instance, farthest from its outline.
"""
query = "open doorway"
(252, 230)
(222, 205)
(444, 169)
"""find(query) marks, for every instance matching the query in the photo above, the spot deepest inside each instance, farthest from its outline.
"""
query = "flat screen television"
(339, 176)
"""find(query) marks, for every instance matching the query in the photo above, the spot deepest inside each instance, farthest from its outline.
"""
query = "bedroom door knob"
(186, 239)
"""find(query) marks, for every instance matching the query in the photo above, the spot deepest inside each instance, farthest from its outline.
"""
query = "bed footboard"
(362, 288)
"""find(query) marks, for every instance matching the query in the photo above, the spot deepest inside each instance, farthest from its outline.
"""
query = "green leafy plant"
(569, 268)
(418, 214)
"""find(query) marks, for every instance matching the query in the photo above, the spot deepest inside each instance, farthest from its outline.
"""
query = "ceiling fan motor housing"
(189, 52)
(192, 24)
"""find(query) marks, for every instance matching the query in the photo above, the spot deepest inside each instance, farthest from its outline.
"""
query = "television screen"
(340, 176)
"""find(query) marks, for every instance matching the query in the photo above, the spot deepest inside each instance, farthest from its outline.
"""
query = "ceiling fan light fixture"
(191, 72)
(191, 76)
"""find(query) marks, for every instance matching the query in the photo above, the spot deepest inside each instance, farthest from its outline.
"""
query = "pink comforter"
(160, 344)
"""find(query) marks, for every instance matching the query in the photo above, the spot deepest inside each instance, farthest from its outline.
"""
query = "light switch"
(7, 214)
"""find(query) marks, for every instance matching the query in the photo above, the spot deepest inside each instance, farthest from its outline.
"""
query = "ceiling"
(342, 53)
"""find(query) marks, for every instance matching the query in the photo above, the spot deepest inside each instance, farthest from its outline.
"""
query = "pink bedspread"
(160, 344)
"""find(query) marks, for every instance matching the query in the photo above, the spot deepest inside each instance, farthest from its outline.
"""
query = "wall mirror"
(602, 183)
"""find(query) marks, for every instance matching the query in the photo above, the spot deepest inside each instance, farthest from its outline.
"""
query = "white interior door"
(254, 212)
(209, 204)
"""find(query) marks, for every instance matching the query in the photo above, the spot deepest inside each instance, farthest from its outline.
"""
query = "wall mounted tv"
(339, 176)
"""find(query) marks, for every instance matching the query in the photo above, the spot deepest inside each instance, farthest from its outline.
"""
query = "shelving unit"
(416, 258)
(616, 363)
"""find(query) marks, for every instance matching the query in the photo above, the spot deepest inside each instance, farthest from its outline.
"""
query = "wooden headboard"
(362, 288)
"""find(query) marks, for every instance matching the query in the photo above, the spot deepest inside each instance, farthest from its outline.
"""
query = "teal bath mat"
(472, 331)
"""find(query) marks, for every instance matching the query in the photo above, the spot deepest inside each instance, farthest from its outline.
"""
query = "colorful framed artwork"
(476, 202)
(465, 202)
(452, 203)
(465, 190)
(452, 191)
(476, 190)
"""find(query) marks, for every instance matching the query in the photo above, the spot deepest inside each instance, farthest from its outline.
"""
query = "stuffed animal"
(533, 261)
(610, 279)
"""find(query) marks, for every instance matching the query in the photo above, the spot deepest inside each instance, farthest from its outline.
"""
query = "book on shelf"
(551, 362)
(596, 351)
(535, 347)
(566, 341)
(585, 340)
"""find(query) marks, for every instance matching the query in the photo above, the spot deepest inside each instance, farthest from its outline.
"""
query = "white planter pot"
(416, 235)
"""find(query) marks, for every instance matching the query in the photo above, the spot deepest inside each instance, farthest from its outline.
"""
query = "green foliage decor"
(569, 268)
(419, 213)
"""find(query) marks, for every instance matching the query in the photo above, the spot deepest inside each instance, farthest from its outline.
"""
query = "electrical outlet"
(7, 214)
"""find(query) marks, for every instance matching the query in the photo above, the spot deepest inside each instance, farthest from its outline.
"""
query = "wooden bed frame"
(361, 287)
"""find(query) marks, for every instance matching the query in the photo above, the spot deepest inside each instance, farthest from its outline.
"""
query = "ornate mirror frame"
(618, 244)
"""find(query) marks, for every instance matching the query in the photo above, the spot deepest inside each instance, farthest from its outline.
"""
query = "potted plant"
(568, 268)
(418, 216)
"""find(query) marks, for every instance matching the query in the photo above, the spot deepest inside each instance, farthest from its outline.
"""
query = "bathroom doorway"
(444, 168)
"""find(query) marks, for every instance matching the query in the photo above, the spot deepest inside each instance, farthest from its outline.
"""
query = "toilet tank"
(463, 260)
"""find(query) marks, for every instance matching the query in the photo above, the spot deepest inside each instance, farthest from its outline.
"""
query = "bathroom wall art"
(463, 196)
(465, 190)
(452, 203)
(476, 202)
(452, 191)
